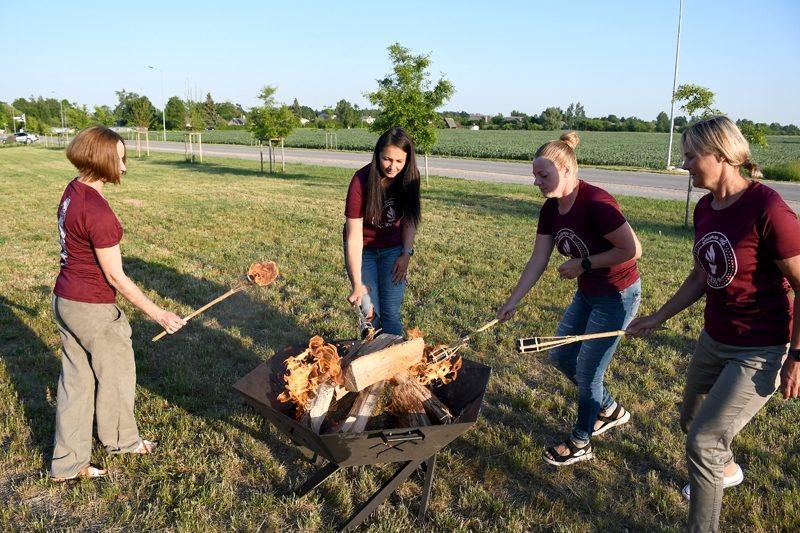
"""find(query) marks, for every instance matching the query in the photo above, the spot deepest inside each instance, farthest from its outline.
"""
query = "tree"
(77, 117)
(551, 118)
(142, 112)
(175, 113)
(296, 109)
(662, 123)
(208, 110)
(103, 115)
(406, 100)
(697, 98)
(347, 115)
(272, 120)
(756, 134)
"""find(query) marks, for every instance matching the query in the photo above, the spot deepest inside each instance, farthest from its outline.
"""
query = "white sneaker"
(728, 482)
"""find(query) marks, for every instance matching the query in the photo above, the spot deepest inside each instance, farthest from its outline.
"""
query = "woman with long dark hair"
(382, 211)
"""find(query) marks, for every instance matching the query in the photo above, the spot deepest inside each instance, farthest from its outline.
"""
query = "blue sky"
(612, 56)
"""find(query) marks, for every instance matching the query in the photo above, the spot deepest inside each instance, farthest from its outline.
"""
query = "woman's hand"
(506, 312)
(355, 296)
(169, 321)
(643, 326)
(571, 269)
(400, 268)
(790, 378)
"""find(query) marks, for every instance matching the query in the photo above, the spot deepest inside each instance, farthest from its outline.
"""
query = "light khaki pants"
(725, 387)
(98, 376)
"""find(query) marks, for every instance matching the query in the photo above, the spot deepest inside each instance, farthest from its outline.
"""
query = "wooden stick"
(540, 344)
(436, 410)
(363, 408)
(315, 415)
(194, 314)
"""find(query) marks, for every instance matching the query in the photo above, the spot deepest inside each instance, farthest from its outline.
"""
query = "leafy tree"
(296, 109)
(347, 115)
(696, 99)
(77, 117)
(574, 114)
(103, 115)
(272, 120)
(175, 113)
(142, 112)
(406, 100)
(551, 118)
(208, 110)
(307, 113)
(756, 134)
(662, 123)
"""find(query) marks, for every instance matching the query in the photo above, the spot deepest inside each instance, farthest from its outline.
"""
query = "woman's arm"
(542, 249)
(110, 260)
(625, 244)
(790, 373)
(692, 289)
(400, 267)
(355, 246)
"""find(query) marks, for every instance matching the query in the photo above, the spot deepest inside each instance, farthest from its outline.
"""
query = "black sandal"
(575, 454)
(609, 422)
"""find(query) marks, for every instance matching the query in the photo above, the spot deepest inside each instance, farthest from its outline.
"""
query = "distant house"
(304, 120)
(324, 116)
(237, 121)
(475, 118)
(451, 124)
(514, 119)
(368, 119)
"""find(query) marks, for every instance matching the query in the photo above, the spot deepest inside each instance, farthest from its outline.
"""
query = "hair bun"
(570, 139)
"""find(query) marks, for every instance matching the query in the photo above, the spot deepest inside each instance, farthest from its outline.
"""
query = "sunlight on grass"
(191, 231)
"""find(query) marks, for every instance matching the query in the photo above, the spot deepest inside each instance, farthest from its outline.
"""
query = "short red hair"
(93, 151)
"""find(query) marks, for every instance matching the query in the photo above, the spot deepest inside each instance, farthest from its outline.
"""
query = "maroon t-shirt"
(579, 233)
(387, 231)
(85, 222)
(747, 297)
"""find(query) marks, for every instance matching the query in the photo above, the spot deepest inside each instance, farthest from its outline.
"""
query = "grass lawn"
(191, 232)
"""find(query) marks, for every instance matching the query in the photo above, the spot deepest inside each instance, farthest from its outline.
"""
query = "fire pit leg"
(314, 481)
(429, 466)
(401, 475)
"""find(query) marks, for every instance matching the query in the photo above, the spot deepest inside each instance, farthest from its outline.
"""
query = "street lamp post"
(61, 107)
(674, 88)
(163, 106)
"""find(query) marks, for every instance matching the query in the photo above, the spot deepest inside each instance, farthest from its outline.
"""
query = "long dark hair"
(405, 187)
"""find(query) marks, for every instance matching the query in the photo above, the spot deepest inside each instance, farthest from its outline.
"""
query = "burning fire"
(262, 273)
(306, 371)
(429, 373)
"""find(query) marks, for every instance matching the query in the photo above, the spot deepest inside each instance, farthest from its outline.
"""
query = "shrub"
(783, 171)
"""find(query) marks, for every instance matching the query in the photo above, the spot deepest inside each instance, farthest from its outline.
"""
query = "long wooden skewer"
(540, 344)
(450, 350)
(260, 274)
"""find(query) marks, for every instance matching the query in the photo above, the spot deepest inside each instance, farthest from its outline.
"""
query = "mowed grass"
(191, 232)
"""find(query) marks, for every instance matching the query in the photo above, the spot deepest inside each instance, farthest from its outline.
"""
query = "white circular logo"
(570, 245)
(715, 254)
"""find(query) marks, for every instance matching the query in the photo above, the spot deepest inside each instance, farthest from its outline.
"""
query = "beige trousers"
(98, 377)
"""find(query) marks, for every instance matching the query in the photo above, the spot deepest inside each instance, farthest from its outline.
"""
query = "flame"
(429, 373)
(306, 371)
(262, 273)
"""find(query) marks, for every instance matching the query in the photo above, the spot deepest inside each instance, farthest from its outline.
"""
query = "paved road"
(646, 184)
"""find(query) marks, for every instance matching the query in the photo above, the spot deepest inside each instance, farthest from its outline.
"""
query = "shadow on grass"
(222, 169)
(33, 370)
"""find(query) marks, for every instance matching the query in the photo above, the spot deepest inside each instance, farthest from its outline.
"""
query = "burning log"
(406, 406)
(435, 409)
(377, 366)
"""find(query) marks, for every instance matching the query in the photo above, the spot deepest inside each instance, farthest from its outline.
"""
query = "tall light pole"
(674, 88)
(163, 106)
(61, 107)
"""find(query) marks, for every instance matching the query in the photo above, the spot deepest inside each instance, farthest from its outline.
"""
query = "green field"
(639, 150)
(191, 230)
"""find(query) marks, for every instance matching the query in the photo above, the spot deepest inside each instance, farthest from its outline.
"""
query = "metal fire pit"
(414, 447)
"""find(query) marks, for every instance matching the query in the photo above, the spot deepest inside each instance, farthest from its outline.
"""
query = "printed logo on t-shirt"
(62, 232)
(570, 245)
(389, 215)
(715, 254)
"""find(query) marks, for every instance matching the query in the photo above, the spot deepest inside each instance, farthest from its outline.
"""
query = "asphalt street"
(645, 184)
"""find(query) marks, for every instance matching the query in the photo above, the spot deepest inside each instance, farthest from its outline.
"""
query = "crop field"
(638, 150)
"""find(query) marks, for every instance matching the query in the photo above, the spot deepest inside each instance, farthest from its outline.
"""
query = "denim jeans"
(384, 295)
(585, 363)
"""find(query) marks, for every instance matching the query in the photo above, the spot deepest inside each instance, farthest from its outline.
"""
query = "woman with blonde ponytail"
(747, 261)
(586, 225)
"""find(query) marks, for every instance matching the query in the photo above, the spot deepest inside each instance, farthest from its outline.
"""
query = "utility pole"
(674, 89)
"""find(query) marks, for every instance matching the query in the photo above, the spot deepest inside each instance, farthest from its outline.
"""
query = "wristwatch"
(794, 352)
(409, 251)
(586, 264)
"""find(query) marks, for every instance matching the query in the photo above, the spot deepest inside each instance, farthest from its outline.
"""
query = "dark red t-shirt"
(747, 297)
(377, 234)
(85, 222)
(579, 233)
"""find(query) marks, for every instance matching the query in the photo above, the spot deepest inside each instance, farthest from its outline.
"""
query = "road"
(645, 184)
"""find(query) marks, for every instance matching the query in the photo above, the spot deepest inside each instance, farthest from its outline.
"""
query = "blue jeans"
(585, 363)
(384, 295)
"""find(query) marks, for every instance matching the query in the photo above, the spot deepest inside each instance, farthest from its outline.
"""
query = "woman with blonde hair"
(586, 225)
(98, 372)
(746, 261)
